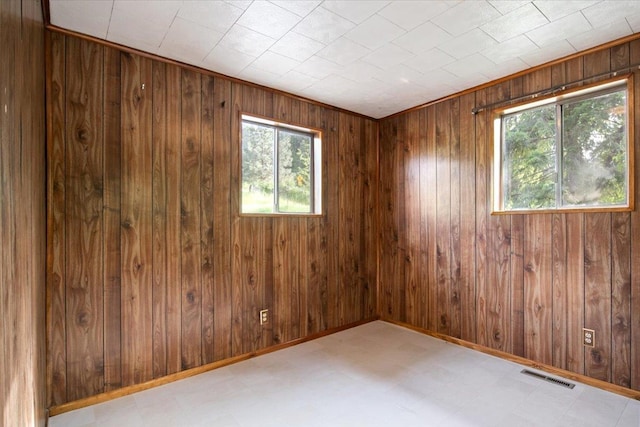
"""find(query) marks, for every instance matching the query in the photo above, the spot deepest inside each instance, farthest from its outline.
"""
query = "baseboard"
(604, 385)
(124, 391)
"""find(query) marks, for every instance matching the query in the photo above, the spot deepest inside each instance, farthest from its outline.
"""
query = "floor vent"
(548, 378)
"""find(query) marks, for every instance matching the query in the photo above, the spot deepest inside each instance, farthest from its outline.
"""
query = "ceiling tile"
(515, 23)
(563, 28)
(410, 14)
(275, 63)
(260, 76)
(509, 49)
(506, 6)
(400, 74)
(430, 60)
(343, 51)
(136, 43)
(354, 11)
(634, 22)
(387, 56)
(217, 15)
(605, 13)
(555, 50)
(359, 71)
(374, 32)
(300, 8)
(242, 4)
(475, 63)
(323, 25)
(422, 38)
(89, 17)
(297, 46)
(246, 41)
(610, 31)
(318, 67)
(554, 9)
(147, 28)
(467, 44)
(506, 68)
(296, 81)
(188, 42)
(227, 61)
(268, 19)
(465, 17)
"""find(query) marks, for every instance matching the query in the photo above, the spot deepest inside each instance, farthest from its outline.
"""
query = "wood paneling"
(149, 258)
(23, 216)
(523, 284)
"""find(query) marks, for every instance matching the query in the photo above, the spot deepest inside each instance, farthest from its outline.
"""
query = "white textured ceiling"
(372, 57)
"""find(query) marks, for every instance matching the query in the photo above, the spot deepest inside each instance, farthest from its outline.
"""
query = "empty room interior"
(319, 213)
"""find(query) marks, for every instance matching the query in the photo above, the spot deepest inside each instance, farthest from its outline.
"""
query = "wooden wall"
(524, 284)
(22, 214)
(151, 269)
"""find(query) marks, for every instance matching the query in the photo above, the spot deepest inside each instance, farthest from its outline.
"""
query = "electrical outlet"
(588, 337)
(264, 316)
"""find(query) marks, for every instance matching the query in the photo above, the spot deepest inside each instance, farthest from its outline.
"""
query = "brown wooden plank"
(413, 270)
(282, 281)
(483, 177)
(538, 298)
(597, 315)
(190, 221)
(222, 218)
(498, 295)
(236, 230)
(112, 257)
(621, 299)
(560, 302)
(84, 267)
(136, 292)
(428, 173)
(370, 223)
(443, 215)
(467, 257)
(173, 220)
(207, 194)
(575, 273)
(300, 115)
(159, 219)
(56, 242)
(388, 229)
(455, 313)
(350, 200)
(331, 228)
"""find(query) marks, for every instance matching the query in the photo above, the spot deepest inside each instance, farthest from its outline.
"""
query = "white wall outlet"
(588, 337)
(264, 316)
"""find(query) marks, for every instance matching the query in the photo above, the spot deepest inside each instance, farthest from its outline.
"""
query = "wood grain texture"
(194, 273)
(23, 237)
(56, 153)
(536, 279)
(190, 153)
(136, 237)
(83, 210)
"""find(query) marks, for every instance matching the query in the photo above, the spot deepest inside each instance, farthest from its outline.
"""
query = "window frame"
(557, 99)
(315, 166)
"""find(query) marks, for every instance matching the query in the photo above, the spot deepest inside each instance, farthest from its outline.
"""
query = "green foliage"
(593, 148)
(260, 143)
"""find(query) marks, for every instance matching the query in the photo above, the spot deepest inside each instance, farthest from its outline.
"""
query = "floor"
(377, 374)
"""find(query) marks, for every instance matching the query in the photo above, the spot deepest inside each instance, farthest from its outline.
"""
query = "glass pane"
(529, 163)
(257, 168)
(294, 172)
(595, 151)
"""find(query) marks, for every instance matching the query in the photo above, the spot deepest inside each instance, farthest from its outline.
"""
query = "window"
(280, 168)
(568, 152)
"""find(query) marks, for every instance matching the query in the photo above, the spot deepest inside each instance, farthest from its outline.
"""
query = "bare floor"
(377, 374)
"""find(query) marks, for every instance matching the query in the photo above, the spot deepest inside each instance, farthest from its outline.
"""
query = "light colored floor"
(377, 374)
